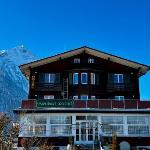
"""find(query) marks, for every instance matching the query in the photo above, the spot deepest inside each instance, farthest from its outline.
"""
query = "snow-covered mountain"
(13, 85)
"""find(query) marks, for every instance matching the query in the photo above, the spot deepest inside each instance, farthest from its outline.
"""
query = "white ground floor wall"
(84, 127)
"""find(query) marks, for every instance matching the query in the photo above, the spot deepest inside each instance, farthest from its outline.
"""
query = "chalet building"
(83, 97)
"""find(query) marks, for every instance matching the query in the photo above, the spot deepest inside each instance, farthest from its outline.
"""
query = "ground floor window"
(84, 127)
(60, 125)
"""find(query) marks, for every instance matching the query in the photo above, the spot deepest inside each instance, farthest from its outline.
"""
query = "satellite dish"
(124, 145)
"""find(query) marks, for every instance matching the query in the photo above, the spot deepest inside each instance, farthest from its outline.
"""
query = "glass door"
(86, 131)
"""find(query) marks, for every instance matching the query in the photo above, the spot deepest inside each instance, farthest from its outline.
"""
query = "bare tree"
(8, 132)
(32, 142)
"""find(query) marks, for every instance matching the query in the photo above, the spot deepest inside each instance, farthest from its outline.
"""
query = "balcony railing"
(120, 87)
(86, 104)
(48, 87)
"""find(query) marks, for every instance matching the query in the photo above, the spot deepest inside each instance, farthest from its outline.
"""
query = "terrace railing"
(85, 104)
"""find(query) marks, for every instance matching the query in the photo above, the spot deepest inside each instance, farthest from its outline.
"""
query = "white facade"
(84, 127)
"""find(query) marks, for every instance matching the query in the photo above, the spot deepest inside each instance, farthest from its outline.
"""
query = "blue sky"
(47, 27)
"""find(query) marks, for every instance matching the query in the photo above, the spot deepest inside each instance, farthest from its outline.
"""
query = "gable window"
(76, 60)
(75, 78)
(75, 97)
(90, 60)
(84, 78)
(93, 78)
(84, 97)
(118, 78)
(48, 96)
(119, 97)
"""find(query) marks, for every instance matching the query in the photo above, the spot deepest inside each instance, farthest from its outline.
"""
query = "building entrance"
(86, 132)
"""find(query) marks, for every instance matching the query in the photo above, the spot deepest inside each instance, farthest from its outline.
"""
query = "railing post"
(124, 104)
(111, 104)
(86, 103)
(137, 103)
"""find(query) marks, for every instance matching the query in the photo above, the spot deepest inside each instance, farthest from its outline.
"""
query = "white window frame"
(84, 73)
(50, 77)
(91, 60)
(118, 79)
(75, 97)
(76, 60)
(74, 81)
(92, 75)
(120, 98)
(84, 96)
(48, 96)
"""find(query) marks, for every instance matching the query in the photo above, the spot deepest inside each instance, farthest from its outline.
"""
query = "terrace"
(85, 104)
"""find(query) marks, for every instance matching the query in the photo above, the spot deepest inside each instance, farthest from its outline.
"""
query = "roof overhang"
(25, 68)
(81, 110)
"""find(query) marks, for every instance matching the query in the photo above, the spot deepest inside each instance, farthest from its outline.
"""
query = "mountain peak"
(13, 84)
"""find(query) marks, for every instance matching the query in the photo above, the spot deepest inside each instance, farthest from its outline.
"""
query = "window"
(75, 97)
(93, 98)
(93, 78)
(84, 97)
(75, 78)
(118, 78)
(34, 125)
(49, 78)
(48, 96)
(76, 60)
(112, 119)
(84, 78)
(119, 97)
(113, 124)
(90, 60)
(60, 119)
(137, 119)
(61, 125)
(138, 125)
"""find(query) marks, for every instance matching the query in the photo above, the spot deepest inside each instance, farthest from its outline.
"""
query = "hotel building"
(85, 96)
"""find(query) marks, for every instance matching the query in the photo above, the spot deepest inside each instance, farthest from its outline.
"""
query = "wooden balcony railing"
(48, 87)
(87, 104)
(120, 87)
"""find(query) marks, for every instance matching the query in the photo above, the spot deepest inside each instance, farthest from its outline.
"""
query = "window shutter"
(127, 78)
(41, 78)
(70, 78)
(57, 78)
(97, 78)
(110, 79)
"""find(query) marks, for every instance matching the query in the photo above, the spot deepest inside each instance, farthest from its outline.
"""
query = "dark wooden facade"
(104, 88)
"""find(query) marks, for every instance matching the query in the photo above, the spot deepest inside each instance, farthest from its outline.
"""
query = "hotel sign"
(54, 103)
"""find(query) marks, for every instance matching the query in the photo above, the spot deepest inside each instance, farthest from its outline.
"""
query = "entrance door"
(86, 132)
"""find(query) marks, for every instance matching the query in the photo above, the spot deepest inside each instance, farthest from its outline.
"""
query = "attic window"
(91, 61)
(76, 60)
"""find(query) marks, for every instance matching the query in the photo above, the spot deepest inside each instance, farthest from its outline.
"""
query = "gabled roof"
(25, 68)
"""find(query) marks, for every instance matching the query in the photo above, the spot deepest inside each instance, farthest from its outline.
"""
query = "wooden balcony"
(48, 87)
(85, 104)
(119, 87)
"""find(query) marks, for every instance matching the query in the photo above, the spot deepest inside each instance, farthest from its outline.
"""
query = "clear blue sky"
(47, 27)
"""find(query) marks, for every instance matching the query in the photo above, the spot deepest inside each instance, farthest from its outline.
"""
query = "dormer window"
(76, 60)
(91, 60)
